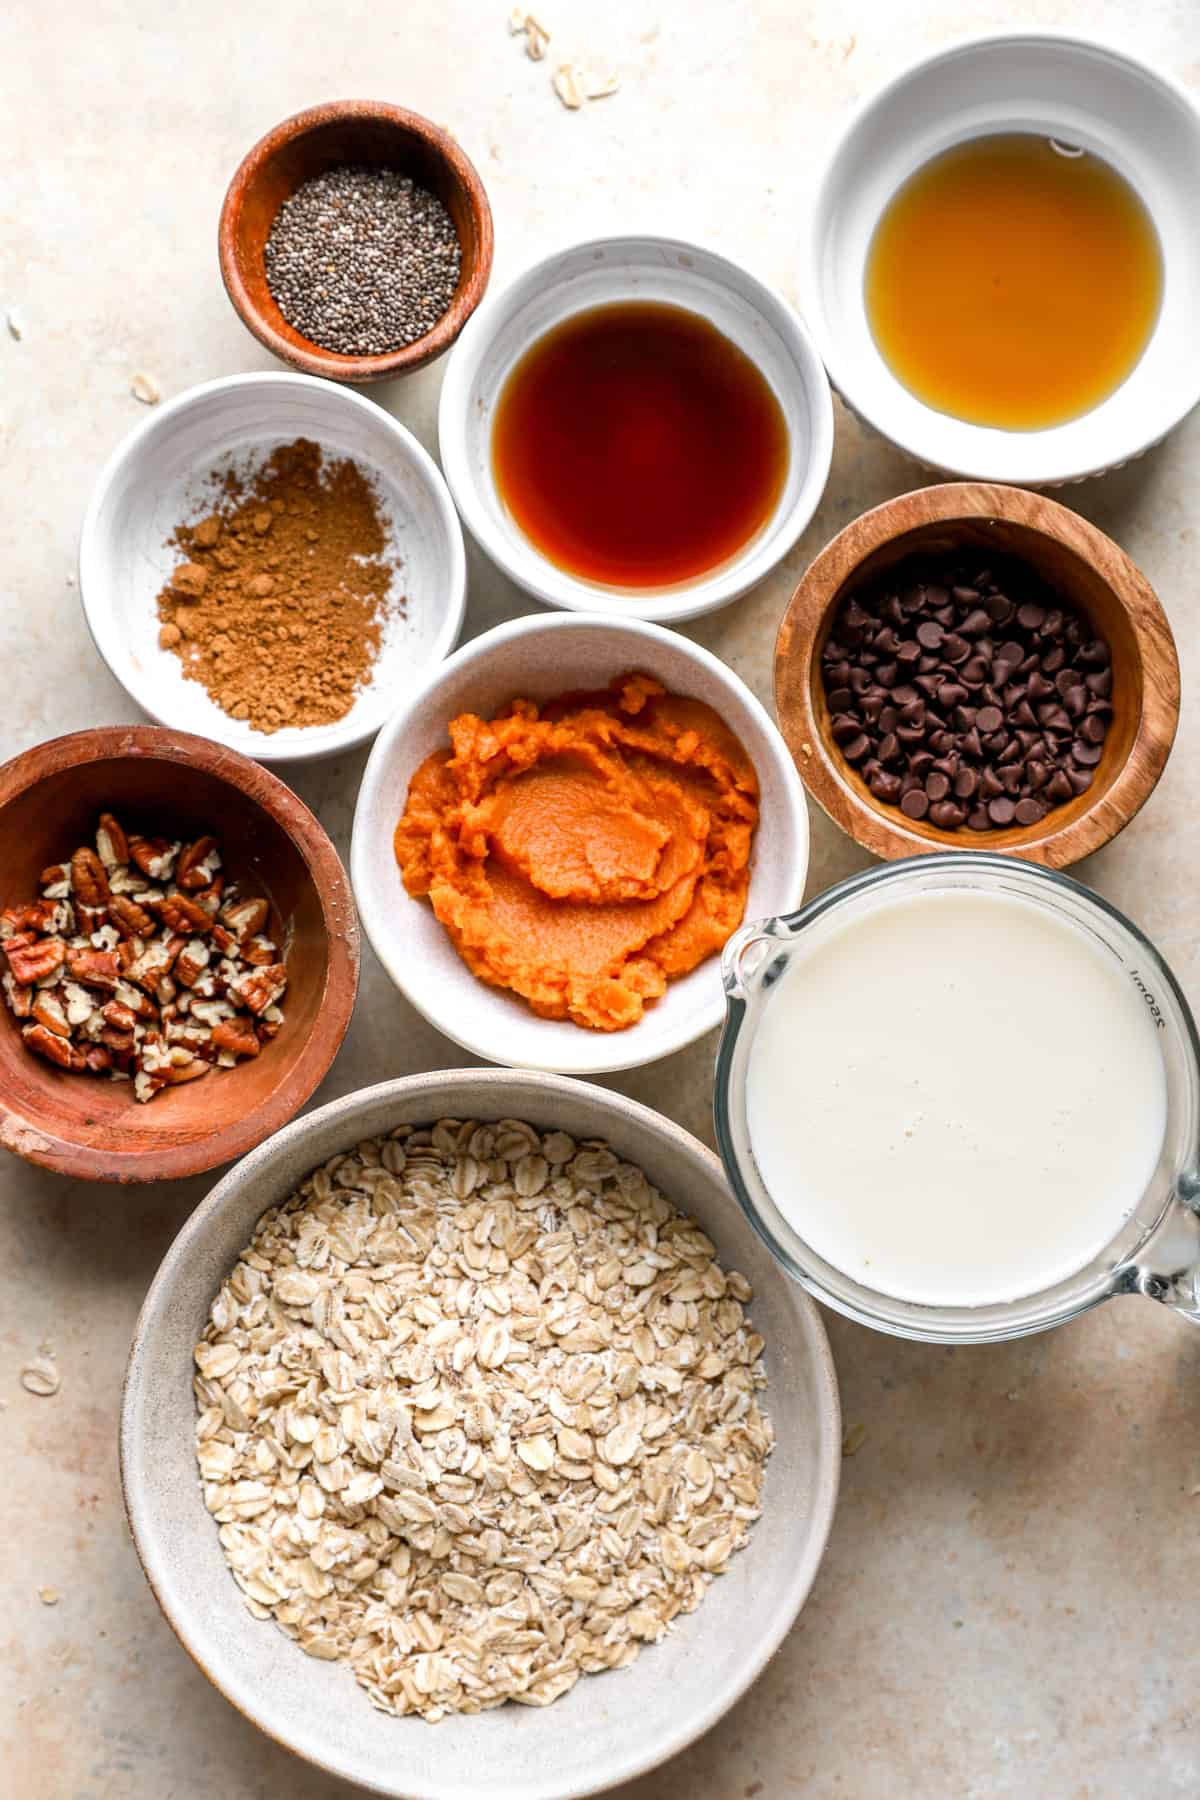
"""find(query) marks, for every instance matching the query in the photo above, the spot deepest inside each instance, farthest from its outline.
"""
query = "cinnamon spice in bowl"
(153, 782)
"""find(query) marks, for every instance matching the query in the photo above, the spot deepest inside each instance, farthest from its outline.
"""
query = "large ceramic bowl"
(157, 476)
(610, 1728)
(749, 313)
(539, 658)
(1068, 88)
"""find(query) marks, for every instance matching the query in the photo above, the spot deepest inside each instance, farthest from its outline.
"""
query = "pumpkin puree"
(586, 852)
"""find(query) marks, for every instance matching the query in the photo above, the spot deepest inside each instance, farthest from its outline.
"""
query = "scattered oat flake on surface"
(600, 82)
(40, 1377)
(853, 1439)
(536, 39)
(568, 87)
(516, 21)
(15, 323)
(143, 387)
(49, 1596)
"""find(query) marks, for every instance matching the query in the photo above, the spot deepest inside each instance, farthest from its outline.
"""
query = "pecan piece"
(244, 918)
(112, 846)
(153, 856)
(187, 873)
(20, 999)
(260, 988)
(182, 914)
(258, 951)
(89, 879)
(177, 1073)
(16, 919)
(120, 1016)
(94, 968)
(192, 961)
(117, 1040)
(210, 897)
(55, 875)
(130, 919)
(33, 961)
(55, 1049)
(224, 940)
(238, 1036)
(49, 1011)
(97, 1058)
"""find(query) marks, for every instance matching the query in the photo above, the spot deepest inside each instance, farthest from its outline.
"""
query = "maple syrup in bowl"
(638, 427)
(680, 464)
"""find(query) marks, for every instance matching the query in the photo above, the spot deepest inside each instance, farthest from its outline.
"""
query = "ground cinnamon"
(279, 601)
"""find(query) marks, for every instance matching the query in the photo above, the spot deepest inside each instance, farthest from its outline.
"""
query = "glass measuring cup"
(1155, 1252)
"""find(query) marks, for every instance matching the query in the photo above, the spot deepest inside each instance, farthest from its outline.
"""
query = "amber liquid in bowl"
(636, 446)
(1013, 282)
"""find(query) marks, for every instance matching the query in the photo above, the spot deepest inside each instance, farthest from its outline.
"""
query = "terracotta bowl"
(157, 781)
(1079, 563)
(350, 131)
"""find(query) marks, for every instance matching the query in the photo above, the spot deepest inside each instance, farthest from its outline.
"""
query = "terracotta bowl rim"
(311, 358)
(883, 830)
(155, 743)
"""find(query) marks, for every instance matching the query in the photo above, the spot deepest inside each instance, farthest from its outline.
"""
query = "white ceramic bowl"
(1072, 89)
(598, 273)
(156, 477)
(609, 1728)
(538, 658)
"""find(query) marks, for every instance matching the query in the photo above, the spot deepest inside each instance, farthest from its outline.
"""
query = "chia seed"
(362, 260)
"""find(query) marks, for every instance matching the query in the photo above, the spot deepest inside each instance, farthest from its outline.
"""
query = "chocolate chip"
(915, 804)
(946, 816)
(990, 719)
(978, 819)
(1031, 615)
(1001, 811)
(885, 786)
(975, 623)
(965, 783)
(1029, 811)
(1093, 730)
(857, 748)
(930, 635)
(1086, 755)
(966, 596)
(936, 785)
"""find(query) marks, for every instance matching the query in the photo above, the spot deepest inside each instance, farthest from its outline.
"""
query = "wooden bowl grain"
(308, 143)
(169, 782)
(1072, 557)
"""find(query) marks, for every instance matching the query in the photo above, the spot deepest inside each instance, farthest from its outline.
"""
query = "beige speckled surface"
(1008, 1607)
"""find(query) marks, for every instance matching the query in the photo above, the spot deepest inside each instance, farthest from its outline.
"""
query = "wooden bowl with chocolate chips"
(178, 954)
(976, 667)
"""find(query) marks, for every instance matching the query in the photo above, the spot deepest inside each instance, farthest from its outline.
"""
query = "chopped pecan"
(177, 1073)
(210, 897)
(94, 968)
(182, 914)
(237, 1036)
(20, 919)
(258, 951)
(153, 856)
(32, 961)
(55, 875)
(187, 873)
(157, 959)
(112, 845)
(97, 1058)
(244, 917)
(20, 999)
(91, 918)
(224, 940)
(130, 919)
(88, 878)
(135, 1001)
(49, 1011)
(260, 988)
(55, 1049)
(117, 1039)
(192, 961)
(120, 1016)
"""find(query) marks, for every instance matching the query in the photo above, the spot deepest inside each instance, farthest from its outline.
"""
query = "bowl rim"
(375, 915)
(540, 577)
(810, 1331)
(313, 360)
(95, 585)
(842, 368)
(868, 823)
(152, 743)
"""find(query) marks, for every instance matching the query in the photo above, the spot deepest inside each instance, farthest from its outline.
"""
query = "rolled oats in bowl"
(479, 1412)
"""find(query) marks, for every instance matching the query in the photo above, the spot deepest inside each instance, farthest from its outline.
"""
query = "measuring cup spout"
(747, 954)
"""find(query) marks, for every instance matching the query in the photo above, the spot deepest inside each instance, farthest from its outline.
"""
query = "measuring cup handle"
(1168, 1266)
(745, 953)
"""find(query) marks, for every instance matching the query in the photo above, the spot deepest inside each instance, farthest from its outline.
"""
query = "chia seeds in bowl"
(362, 260)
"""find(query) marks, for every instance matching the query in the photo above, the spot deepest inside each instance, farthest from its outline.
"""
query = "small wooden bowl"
(350, 131)
(1086, 568)
(168, 782)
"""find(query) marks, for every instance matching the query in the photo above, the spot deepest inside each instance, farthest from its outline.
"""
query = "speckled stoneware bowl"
(609, 1728)
(539, 658)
